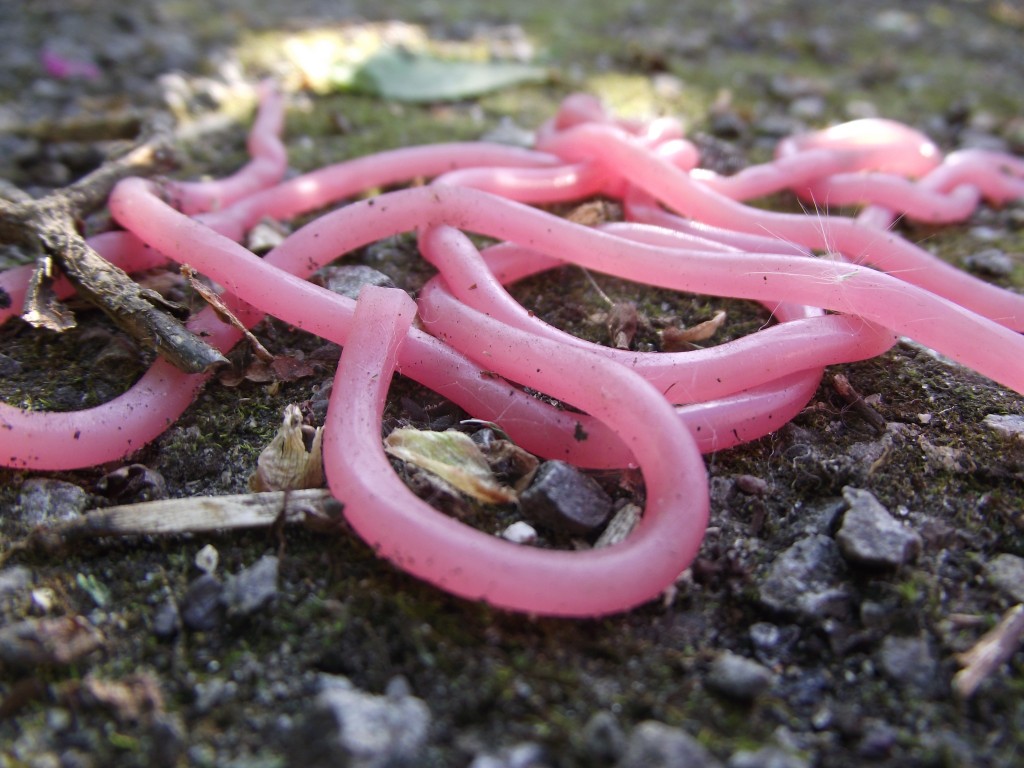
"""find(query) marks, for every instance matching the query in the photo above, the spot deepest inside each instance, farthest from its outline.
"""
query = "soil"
(866, 681)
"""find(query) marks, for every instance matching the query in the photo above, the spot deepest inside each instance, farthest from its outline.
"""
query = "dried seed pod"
(286, 463)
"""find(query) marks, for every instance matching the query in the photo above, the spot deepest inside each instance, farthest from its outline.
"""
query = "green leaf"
(403, 76)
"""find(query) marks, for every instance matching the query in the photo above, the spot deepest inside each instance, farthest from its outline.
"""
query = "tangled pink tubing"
(688, 229)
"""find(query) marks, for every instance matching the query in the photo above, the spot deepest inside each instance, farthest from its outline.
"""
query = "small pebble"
(990, 261)
(525, 755)
(656, 745)
(909, 660)
(751, 485)
(206, 559)
(1009, 426)
(350, 727)
(603, 738)
(349, 279)
(872, 537)
(46, 501)
(167, 620)
(767, 757)
(252, 588)
(807, 580)
(1006, 571)
(520, 532)
(564, 499)
(738, 677)
(14, 580)
(201, 606)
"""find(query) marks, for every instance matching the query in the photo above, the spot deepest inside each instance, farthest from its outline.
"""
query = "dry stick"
(315, 508)
(48, 229)
(852, 396)
(994, 648)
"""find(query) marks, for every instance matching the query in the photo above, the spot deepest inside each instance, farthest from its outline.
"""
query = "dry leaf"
(682, 339)
(452, 456)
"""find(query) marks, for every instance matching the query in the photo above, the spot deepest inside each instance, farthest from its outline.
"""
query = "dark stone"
(807, 580)
(201, 607)
(872, 537)
(564, 499)
(603, 737)
(252, 588)
(772, 643)
(167, 620)
(132, 484)
(910, 661)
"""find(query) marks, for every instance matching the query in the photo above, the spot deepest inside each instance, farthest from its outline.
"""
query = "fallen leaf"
(682, 339)
(452, 456)
(403, 76)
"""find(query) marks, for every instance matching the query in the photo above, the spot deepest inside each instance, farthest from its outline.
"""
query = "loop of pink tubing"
(473, 564)
(868, 144)
(682, 377)
(324, 179)
(857, 242)
(642, 208)
(987, 347)
(43, 440)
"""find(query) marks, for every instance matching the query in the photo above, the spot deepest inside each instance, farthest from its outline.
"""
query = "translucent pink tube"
(479, 566)
(685, 195)
(269, 161)
(683, 377)
(877, 297)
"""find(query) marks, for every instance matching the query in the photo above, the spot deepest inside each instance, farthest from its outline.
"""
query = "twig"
(48, 230)
(314, 507)
(860, 405)
(994, 648)
(224, 313)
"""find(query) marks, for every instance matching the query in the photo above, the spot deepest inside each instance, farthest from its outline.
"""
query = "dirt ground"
(865, 679)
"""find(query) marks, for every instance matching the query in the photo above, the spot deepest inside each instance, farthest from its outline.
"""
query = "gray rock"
(870, 536)
(878, 741)
(201, 607)
(766, 757)
(167, 620)
(14, 580)
(603, 737)
(738, 677)
(1008, 426)
(807, 580)
(1007, 573)
(990, 261)
(525, 755)
(909, 660)
(252, 588)
(349, 279)
(772, 643)
(564, 499)
(357, 729)
(43, 500)
(656, 745)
